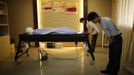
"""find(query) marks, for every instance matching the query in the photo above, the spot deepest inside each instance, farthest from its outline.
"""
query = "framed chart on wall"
(46, 5)
(58, 6)
(57, 13)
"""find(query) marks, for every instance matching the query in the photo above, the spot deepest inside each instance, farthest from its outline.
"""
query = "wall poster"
(60, 13)
(46, 5)
(71, 7)
(58, 6)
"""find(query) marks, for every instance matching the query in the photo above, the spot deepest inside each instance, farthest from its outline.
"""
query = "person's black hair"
(85, 27)
(82, 19)
(92, 16)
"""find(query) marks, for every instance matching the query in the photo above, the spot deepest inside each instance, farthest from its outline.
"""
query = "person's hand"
(110, 39)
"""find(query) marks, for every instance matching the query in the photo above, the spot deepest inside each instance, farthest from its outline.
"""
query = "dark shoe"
(105, 72)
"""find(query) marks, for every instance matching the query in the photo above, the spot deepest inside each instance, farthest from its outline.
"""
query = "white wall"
(102, 7)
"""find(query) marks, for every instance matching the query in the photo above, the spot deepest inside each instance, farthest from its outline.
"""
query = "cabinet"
(4, 27)
(4, 31)
(4, 46)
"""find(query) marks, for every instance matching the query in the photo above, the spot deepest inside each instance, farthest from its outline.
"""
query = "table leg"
(18, 50)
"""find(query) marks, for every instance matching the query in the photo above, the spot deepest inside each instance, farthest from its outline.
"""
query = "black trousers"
(93, 41)
(115, 50)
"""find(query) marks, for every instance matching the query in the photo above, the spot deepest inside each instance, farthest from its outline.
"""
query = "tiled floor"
(65, 61)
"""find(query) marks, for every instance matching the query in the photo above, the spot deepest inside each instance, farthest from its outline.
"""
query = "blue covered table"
(53, 37)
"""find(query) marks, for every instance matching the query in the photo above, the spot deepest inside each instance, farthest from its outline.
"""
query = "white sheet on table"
(59, 30)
